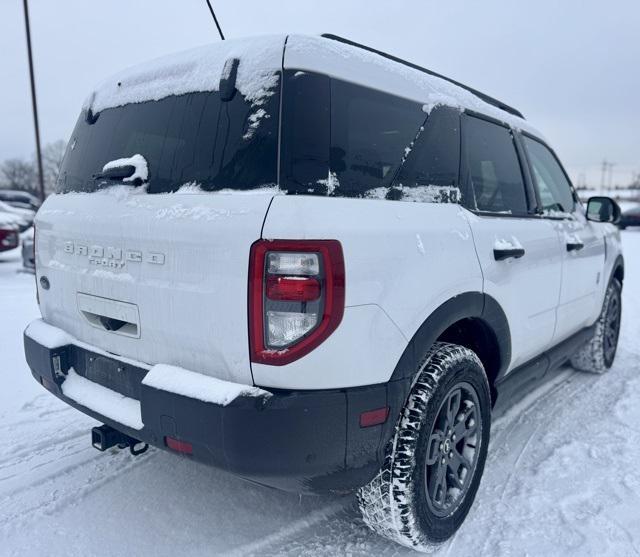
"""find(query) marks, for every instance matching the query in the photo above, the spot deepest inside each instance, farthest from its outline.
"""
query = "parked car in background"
(10, 219)
(9, 235)
(20, 199)
(630, 217)
(28, 259)
(22, 217)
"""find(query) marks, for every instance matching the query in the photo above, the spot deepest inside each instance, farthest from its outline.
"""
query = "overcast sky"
(571, 66)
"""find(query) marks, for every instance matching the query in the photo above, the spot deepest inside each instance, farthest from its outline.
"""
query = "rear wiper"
(133, 170)
(118, 173)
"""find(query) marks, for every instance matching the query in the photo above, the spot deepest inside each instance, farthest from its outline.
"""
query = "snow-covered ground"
(562, 477)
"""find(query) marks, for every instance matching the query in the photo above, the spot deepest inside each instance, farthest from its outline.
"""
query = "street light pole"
(34, 102)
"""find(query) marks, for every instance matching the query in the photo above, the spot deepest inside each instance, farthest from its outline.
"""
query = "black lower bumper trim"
(304, 441)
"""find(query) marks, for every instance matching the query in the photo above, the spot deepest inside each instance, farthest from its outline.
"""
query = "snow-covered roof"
(200, 69)
(361, 66)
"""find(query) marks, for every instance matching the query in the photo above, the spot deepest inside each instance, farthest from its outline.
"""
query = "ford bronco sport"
(319, 267)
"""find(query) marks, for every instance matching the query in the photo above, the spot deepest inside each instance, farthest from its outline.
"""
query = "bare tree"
(52, 155)
(21, 174)
(18, 174)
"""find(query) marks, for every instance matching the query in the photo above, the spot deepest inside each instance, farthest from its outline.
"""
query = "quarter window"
(494, 168)
(430, 171)
(554, 188)
(370, 132)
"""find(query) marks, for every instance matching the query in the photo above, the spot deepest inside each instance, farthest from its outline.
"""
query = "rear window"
(189, 139)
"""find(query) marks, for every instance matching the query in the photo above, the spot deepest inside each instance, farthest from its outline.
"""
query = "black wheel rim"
(453, 448)
(611, 328)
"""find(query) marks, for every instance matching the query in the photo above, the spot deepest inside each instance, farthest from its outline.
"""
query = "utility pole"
(604, 173)
(34, 103)
(611, 165)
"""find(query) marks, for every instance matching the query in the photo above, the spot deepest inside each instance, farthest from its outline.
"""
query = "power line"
(213, 15)
(34, 103)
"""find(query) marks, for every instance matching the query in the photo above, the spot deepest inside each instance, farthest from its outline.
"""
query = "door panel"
(519, 252)
(581, 275)
(527, 288)
(582, 243)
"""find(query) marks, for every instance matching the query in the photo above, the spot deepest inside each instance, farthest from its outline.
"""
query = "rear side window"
(554, 188)
(370, 133)
(193, 138)
(430, 171)
(306, 132)
(344, 140)
(493, 167)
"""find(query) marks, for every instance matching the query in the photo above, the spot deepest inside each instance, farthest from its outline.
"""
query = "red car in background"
(9, 237)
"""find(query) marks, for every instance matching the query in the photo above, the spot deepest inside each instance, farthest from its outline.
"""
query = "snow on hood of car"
(357, 65)
(195, 70)
(9, 220)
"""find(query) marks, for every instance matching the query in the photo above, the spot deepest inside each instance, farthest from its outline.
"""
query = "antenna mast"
(213, 15)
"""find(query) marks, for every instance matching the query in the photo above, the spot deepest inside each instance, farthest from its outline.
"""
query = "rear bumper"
(304, 441)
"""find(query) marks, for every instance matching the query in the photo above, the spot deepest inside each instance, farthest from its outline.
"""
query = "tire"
(597, 355)
(397, 503)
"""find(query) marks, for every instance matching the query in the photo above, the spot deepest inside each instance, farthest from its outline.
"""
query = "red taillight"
(293, 289)
(374, 417)
(179, 446)
(296, 297)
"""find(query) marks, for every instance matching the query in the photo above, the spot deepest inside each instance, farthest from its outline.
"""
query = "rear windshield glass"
(190, 139)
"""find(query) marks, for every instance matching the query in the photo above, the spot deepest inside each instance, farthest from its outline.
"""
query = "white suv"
(319, 267)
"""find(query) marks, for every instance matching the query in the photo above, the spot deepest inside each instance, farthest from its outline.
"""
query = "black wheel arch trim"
(470, 305)
(617, 265)
(474, 305)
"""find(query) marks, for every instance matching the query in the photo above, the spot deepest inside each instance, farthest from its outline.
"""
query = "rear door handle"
(507, 253)
(574, 246)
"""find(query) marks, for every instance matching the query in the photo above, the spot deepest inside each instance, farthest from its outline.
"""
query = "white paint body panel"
(363, 350)
(528, 288)
(584, 280)
(192, 309)
(405, 258)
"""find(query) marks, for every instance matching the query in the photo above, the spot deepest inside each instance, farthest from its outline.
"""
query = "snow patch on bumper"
(195, 385)
(47, 335)
(102, 400)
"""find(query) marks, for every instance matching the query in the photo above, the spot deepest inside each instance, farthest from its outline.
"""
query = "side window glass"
(494, 168)
(430, 170)
(370, 132)
(553, 186)
(305, 132)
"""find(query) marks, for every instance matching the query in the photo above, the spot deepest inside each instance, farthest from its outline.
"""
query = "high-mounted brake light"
(296, 297)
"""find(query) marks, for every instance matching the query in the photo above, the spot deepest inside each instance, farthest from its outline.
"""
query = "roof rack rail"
(485, 98)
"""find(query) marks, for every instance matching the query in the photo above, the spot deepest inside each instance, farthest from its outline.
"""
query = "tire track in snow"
(259, 547)
(567, 383)
(28, 501)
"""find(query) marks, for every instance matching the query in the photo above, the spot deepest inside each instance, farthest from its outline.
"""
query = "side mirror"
(603, 209)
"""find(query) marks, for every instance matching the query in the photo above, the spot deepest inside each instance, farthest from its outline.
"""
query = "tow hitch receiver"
(105, 437)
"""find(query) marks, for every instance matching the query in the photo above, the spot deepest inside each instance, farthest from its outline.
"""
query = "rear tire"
(597, 355)
(435, 460)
